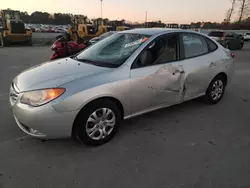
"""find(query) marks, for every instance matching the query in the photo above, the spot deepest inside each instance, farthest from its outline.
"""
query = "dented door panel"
(168, 84)
(142, 95)
(155, 85)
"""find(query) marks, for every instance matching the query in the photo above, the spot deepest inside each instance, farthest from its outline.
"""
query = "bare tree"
(244, 9)
(230, 11)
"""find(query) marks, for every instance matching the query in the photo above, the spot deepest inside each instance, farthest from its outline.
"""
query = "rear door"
(199, 63)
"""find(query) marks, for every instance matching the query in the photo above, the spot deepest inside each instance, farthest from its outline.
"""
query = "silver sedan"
(127, 74)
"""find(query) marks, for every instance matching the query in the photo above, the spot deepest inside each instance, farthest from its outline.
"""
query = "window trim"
(165, 62)
(182, 44)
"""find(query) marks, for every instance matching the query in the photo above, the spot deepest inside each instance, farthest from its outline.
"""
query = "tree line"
(239, 7)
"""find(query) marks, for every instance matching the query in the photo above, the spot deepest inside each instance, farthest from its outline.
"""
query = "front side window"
(194, 45)
(162, 50)
(114, 50)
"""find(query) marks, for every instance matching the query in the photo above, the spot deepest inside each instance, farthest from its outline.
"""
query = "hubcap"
(217, 90)
(100, 123)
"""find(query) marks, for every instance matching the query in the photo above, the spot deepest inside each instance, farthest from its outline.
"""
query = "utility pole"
(101, 8)
(146, 19)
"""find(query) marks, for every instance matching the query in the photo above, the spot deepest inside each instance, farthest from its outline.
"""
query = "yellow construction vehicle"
(12, 29)
(85, 32)
(104, 29)
(122, 28)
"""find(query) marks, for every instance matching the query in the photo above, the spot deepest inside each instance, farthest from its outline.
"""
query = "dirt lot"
(189, 145)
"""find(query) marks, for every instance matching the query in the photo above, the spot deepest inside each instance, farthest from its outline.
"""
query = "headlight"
(41, 97)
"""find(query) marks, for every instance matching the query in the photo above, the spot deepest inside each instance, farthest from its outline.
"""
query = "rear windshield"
(215, 34)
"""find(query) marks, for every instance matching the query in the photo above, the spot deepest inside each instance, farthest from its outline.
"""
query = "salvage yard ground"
(189, 145)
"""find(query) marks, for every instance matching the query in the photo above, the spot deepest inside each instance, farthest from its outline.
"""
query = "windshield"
(112, 51)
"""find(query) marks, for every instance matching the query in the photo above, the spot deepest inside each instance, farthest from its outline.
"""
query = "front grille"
(13, 94)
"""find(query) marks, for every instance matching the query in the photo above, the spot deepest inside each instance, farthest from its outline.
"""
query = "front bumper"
(44, 121)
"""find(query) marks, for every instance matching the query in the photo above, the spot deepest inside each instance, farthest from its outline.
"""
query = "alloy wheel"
(217, 90)
(100, 123)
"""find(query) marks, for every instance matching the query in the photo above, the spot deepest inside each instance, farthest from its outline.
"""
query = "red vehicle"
(64, 48)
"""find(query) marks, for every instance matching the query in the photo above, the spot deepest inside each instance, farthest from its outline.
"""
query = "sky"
(169, 11)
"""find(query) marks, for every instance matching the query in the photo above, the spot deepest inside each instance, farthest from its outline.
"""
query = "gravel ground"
(188, 145)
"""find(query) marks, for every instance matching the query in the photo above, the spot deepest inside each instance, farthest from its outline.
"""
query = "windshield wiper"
(100, 64)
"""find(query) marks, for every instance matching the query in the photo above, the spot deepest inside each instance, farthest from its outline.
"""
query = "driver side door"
(157, 76)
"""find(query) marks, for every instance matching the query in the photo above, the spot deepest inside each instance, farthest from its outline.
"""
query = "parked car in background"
(247, 36)
(240, 36)
(127, 74)
(103, 36)
(229, 40)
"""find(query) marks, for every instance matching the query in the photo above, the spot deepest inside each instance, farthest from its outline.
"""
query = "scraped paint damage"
(170, 80)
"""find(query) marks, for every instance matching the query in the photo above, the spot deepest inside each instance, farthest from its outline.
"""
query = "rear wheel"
(29, 42)
(97, 123)
(6, 42)
(241, 46)
(1, 39)
(216, 90)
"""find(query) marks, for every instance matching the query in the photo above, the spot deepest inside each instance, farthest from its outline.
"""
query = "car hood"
(55, 73)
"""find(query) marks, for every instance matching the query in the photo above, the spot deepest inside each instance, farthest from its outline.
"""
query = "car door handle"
(177, 71)
(212, 64)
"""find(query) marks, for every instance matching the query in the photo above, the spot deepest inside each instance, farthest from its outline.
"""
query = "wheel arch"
(223, 74)
(113, 99)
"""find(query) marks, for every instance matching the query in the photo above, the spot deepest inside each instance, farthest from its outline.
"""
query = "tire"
(210, 98)
(1, 39)
(6, 42)
(82, 126)
(29, 42)
(241, 46)
(229, 46)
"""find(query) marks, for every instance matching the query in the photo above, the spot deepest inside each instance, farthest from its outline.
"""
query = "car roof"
(154, 31)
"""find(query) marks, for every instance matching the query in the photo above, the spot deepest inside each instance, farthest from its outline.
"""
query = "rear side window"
(194, 45)
(211, 45)
(247, 33)
(215, 34)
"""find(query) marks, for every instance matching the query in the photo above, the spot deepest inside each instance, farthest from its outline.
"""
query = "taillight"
(232, 55)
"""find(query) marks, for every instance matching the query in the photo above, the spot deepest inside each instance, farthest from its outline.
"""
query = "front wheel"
(97, 123)
(216, 90)
(29, 42)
